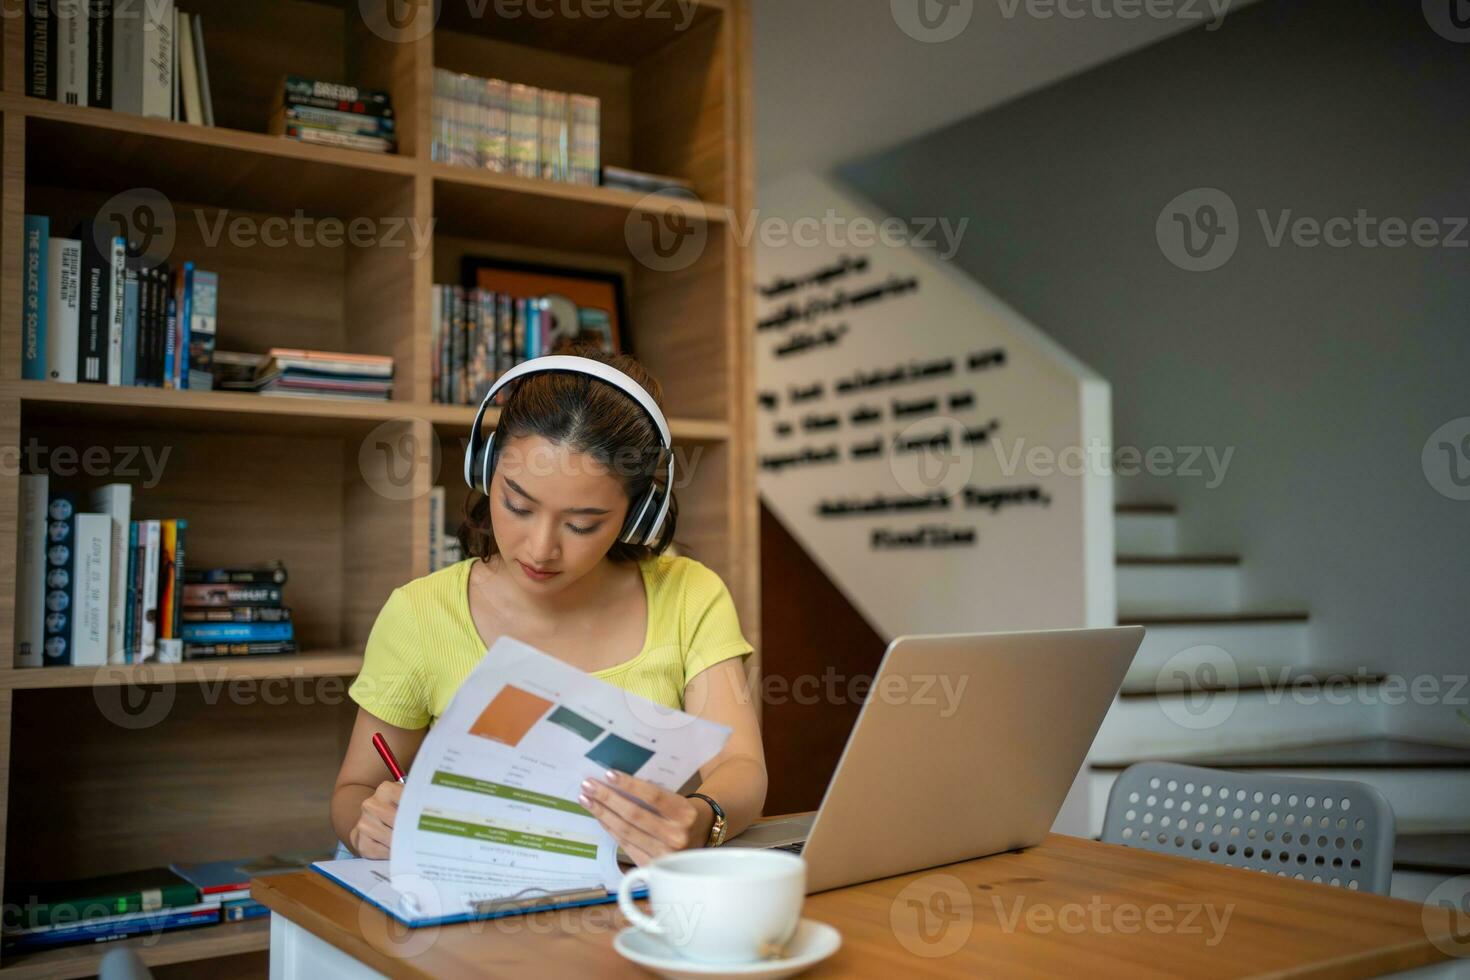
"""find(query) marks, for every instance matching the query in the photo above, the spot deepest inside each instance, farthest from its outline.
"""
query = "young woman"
(548, 566)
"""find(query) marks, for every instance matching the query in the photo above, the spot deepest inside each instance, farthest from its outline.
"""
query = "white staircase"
(1218, 685)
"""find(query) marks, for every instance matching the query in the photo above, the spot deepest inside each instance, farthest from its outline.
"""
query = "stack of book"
(95, 587)
(153, 900)
(95, 313)
(478, 335)
(444, 546)
(225, 884)
(515, 129)
(309, 373)
(334, 115)
(237, 611)
(141, 57)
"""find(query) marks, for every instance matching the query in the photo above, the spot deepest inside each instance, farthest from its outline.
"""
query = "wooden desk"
(1068, 907)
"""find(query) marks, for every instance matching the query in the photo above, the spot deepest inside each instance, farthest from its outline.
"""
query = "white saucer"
(813, 942)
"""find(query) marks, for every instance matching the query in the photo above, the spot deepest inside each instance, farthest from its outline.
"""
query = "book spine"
(232, 595)
(130, 328)
(139, 565)
(237, 614)
(171, 322)
(203, 327)
(436, 324)
(168, 542)
(40, 22)
(33, 339)
(244, 909)
(92, 612)
(60, 578)
(181, 346)
(193, 113)
(523, 147)
(586, 139)
(128, 57)
(198, 651)
(505, 334)
(148, 645)
(274, 575)
(495, 141)
(71, 52)
(328, 137)
(30, 571)
(176, 599)
(130, 595)
(297, 87)
(436, 527)
(206, 96)
(237, 632)
(552, 125)
(63, 308)
(117, 281)
(350, 122)
(116, 502)
(456, 348)
(158, 59)
(99, 54)
(96, 317)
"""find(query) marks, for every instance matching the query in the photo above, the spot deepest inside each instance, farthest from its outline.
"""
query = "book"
(193, 107)
(159, 59)
(40, 37)
(329, 137)
(100, 54)
(170, 326)
(206, 96)
(354, 106)
(523, 147)
(232, 595)
(61, 511)
(200, 651)
(272, 572)
(96, 299)
(237, 614)
(331, 119)
(213, 878)
(108, 928)
(117, 283)
(115, 501)
(184, 302)
(33, 322)
(130, 324)
(167, 567)
(297, 87)
(237, 632)
(242, 909)
(63, 903)
(91, 612)
(30, 570)
(553, 128)
(63, 308)
(642, 181)
(492, 150)
(131, 591)
(584, 151)
(149, 534)
(436, 528)
(71, 51)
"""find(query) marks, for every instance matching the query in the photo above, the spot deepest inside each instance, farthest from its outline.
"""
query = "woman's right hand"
(372, 835)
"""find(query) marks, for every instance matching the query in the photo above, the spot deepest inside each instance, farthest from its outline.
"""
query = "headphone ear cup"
(635, 527)
(482, 470)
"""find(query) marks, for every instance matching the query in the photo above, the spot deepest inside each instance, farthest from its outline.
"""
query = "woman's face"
(553, 511)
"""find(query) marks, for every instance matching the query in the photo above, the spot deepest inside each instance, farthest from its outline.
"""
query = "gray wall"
(1325, 369)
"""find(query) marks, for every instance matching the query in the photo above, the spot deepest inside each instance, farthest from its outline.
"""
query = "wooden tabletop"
(1067, 907)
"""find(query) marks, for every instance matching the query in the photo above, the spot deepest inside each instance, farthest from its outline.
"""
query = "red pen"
(381, 744)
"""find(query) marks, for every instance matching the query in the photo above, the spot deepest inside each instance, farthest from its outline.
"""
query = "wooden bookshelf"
(228, 769)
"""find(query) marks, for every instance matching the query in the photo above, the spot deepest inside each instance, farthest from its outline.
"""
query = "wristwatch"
(717, 829)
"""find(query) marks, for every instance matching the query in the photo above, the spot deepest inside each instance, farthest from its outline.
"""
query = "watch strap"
(717, 829)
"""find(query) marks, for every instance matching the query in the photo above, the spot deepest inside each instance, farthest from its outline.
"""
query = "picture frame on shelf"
(598, 297)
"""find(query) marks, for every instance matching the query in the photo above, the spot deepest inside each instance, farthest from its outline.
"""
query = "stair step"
(1253, 645)
(1177, 586)
(1146, 532)
(1146, 508)
(1203, 618)
(1448, 853)
(1248, 681)
(1353, 753)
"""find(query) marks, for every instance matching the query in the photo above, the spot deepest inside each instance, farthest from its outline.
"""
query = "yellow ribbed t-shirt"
(424, 642)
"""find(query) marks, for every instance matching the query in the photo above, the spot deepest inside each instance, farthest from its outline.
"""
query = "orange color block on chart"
(510, 715)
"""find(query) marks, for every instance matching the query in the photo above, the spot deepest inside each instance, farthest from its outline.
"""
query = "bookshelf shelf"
(548, 213)
(325, 663)
(221, 775)
(204, 942)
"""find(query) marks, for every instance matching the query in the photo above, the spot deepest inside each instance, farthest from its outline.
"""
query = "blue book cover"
(130, 327)
(61, 522)
(186, 312)
(33, 341)
(114, 927)
(170, 324)
(236, 632)
(243, 908)
(214, 876)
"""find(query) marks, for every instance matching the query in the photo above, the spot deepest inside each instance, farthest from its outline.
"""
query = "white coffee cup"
(720, 906)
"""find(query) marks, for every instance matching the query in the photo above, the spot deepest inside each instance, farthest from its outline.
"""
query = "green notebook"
(65, 902)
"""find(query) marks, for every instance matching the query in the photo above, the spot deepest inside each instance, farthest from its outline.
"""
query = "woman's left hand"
(662, 822)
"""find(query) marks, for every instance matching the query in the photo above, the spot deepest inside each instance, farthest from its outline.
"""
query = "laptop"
(966, 746)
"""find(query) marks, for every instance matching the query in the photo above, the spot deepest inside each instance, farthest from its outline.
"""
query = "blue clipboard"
(335, 871)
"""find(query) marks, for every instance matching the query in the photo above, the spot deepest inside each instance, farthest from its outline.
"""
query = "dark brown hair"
(587, 416)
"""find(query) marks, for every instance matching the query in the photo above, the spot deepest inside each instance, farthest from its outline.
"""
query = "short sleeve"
(711, 625)
(391, 684)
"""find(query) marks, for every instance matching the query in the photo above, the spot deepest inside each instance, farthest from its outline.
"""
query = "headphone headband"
(571, 364)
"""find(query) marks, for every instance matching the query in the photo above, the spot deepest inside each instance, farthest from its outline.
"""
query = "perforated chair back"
(1330, 831)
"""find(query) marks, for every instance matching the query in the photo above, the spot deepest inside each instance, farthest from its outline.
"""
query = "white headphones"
(479, 460)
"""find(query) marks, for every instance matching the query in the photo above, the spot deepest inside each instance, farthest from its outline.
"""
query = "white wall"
(1031, 566)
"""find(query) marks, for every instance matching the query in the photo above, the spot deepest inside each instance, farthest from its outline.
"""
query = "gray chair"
(121, 963)
(1329, 831)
